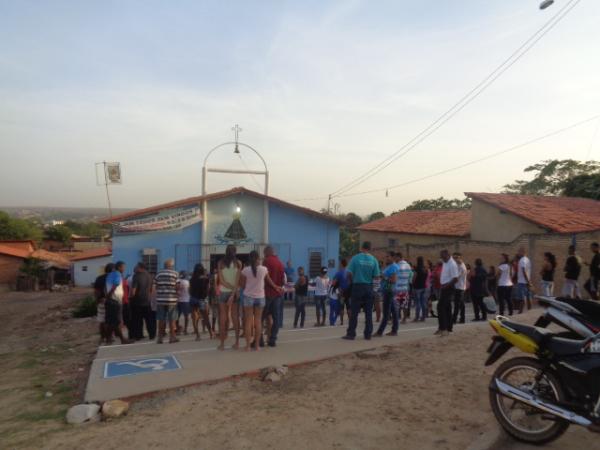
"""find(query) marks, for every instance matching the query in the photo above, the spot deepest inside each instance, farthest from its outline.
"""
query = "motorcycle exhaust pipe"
(524, 397)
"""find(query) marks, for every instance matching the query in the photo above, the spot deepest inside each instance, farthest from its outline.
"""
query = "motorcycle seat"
(562, 347)
(587, 308)
(539, 335)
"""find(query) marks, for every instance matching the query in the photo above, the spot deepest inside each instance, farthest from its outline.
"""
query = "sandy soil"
(42, 350)
(423, 395)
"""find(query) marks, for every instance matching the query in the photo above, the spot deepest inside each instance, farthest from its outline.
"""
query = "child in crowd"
(334, 303)
(183, 302)
(321, 291)
(301, 288)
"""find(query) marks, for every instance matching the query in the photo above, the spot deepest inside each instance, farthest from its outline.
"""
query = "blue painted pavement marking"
(137, 366)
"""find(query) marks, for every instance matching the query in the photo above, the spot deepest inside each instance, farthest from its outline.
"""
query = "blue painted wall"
(292, 232)
(303, 232)
(128, 248)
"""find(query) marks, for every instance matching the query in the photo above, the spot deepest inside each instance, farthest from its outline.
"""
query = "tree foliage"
(439, 203)
(559, 177)
(375, 216)
(59, 233)
(18, 229)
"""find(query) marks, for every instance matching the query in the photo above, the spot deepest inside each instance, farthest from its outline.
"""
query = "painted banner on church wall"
(167, 220)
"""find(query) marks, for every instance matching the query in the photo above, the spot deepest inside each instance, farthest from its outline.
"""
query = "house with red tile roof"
(417, 227)
(13, 253)
(505, 217)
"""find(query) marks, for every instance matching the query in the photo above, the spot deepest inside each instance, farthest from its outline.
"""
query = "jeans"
(505, 297)
(362, 297)
(479, 307)
(300, 303)
(334, 310)
(320, 305)
(389, 307)
(420, 304)
(272, 308)
(139, 315)
(444, 309)
(459, 305)
(571, 288)
(548, 288)
(280, 317)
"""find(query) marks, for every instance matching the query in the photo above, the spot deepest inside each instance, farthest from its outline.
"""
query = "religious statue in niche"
(235, 234)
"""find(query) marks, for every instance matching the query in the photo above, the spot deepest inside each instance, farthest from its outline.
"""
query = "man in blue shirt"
(390, 274)
(340, 280)
(362, 270)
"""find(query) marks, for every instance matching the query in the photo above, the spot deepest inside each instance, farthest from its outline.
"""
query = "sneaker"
(392, 333)
(348, 338)
(378, 334)
(272, 344)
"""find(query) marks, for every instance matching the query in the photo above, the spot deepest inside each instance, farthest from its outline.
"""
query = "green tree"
(558, 177)
(352, 220)
(375, 216)
(586, 185)
(439, 203)
(59, 233)
(18, 229)
(349, 242)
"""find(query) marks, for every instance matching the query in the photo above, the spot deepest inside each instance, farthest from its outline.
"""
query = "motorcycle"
(536, 399)
(580, 317)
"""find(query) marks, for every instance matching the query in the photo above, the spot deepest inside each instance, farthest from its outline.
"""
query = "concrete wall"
(491, 224)
(303, 233)
(93, 267)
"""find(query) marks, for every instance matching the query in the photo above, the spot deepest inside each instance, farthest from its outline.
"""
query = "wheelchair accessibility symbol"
(137, 366)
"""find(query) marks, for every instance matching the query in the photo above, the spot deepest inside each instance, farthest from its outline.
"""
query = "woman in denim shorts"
(254, 277)
(229, 272)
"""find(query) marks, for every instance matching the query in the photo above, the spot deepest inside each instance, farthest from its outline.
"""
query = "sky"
(323, 90)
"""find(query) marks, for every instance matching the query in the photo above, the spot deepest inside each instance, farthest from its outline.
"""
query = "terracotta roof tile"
(91, 254)
(214, 196)
(446, 222)
(13, 251)
(557, 214)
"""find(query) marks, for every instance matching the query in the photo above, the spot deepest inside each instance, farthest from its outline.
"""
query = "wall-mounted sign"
(167, 220)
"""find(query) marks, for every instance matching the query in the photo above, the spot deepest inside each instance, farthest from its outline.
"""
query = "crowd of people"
(248, 298)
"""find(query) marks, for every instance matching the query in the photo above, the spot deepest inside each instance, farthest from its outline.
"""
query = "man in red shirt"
(274, 297)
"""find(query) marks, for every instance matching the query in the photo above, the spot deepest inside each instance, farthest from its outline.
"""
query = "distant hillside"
(49, 213)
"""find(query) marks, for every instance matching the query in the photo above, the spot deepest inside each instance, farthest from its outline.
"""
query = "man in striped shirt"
(165, 284)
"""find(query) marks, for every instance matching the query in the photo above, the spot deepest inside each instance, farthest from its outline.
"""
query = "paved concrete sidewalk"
(127, 370)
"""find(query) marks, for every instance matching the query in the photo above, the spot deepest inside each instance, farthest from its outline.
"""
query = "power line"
(464, 101)
(478, 160)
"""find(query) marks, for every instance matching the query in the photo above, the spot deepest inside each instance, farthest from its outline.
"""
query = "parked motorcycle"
(536, 399)
(581, 318)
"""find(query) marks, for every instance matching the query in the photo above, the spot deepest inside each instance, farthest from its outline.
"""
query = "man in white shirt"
(459, 290)
(448, 279)
(523, 279)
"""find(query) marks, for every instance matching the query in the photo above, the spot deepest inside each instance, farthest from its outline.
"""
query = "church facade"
(198, 229)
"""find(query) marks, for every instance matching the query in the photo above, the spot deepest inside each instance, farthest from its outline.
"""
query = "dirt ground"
(424, 395)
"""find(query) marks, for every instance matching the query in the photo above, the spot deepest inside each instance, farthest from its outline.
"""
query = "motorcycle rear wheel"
(532, 427)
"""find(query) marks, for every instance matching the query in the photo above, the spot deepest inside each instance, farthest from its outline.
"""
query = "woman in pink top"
(253, 279)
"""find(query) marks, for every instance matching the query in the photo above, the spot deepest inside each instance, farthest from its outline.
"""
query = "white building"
(89, 264)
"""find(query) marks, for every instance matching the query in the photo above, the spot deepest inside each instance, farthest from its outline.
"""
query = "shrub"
(86, 307)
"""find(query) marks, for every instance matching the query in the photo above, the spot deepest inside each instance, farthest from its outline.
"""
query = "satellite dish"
(546, 3)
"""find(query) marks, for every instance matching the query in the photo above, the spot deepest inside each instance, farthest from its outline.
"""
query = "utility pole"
(329, 204)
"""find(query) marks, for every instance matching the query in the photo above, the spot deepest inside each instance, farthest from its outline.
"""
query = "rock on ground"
(83, 413)
(114, 408)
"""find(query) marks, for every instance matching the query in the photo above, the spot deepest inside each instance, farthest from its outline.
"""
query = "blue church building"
(197, 230)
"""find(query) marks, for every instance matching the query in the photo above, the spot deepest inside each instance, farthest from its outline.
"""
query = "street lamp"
(546, 3)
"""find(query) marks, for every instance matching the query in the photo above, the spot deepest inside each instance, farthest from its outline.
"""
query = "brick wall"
(536, 245)
(9, 269)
